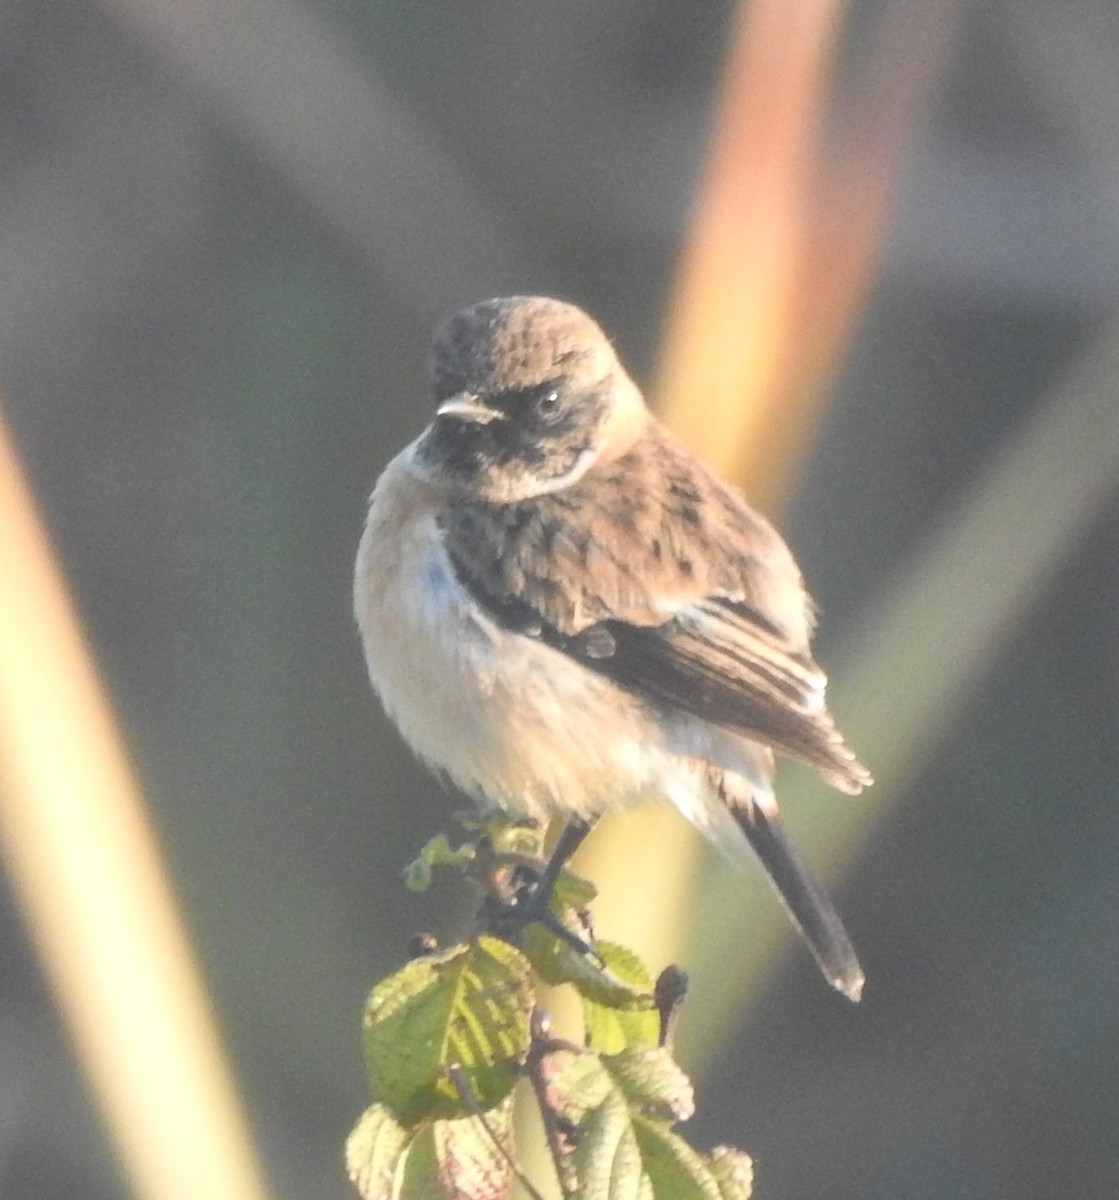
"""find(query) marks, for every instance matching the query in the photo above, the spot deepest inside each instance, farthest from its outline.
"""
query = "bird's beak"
(467, 407)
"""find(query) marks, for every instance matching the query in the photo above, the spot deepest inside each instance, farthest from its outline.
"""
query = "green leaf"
(577, 1083)
(607, 1159)
(509, 836)
(676, 1171)
(419, 1178)
(622, 1152)
(605, 1163)
(652, 1083)
(458, 1159)
(619, 966)
(467, 1008)
(471, 1166)
(553, 959)
(622, 983)
(733, 1171)
(437, 853)
(610, 1028)
(373, 1153)
(504, 834)
(572, 891)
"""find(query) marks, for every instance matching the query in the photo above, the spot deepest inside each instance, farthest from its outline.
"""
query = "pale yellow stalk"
(85, 869)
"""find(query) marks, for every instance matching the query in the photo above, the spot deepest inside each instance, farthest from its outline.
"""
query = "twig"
(472, 1107)
(555, 1130)
(668, 996)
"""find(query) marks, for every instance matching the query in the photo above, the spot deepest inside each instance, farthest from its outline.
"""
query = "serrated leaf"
(437, 853)
(373, 1153)
(417, 874)
(467, 1008)
(508, 836)
(676, 1171)
(453, 1159)
(458, 1160)
(620, 1112)
(419, 1177)
(558, 962)
(733, 1171)
(471, 1167)
(577, 1083)
(553, 959)
(609, 1028)
(607, 1159)
(622, 967)
(652, 1082)
(572, 891)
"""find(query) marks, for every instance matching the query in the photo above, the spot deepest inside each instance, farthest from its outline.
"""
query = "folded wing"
(654, 573)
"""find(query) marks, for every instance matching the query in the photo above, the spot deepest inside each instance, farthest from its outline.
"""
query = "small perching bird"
(565, 612)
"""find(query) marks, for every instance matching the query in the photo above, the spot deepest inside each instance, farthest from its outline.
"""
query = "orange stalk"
(777, 263)
(721, 358)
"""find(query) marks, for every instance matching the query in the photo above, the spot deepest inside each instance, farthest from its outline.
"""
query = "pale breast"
(511, 721)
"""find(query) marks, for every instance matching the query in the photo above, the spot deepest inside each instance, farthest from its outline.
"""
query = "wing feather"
(678, 592)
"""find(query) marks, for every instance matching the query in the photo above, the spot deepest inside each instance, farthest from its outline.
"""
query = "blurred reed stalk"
(85, 869)
(926, 647)
(777, 262)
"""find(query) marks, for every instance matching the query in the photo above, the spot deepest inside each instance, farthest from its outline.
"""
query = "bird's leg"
(573, 835)
(532, 902)
(537, 904)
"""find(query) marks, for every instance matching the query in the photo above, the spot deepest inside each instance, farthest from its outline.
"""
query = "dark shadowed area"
(226, 232)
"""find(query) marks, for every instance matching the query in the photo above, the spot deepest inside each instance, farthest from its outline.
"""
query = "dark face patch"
(539, 436)
(455, 450)
(546, 372)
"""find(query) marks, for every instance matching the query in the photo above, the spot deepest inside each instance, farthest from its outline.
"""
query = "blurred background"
(226, 230)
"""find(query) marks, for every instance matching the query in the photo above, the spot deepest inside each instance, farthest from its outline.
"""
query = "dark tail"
(809, 907)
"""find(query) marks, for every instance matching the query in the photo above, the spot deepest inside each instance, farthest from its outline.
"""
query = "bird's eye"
(549, 406)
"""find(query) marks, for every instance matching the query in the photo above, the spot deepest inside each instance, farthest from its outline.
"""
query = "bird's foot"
(526, 895)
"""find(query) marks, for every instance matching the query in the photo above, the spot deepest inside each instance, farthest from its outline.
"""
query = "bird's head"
(529, 395)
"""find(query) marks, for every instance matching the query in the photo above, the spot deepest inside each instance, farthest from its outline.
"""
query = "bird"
(565, 612)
